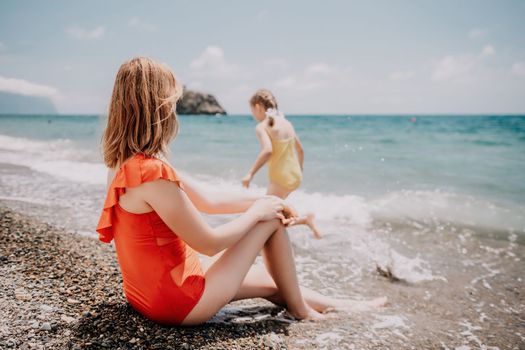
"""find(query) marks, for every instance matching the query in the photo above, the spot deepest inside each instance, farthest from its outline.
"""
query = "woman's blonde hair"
(141, 116)
(266, 99)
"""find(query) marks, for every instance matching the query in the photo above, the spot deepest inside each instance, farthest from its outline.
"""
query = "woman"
(153, 216)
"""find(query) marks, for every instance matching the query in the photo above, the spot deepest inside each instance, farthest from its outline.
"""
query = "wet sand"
(59, 290)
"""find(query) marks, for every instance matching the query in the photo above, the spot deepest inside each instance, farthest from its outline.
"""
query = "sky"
(330, 57)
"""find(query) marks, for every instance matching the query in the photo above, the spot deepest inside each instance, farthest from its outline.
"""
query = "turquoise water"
(378, 184)
(366, 155)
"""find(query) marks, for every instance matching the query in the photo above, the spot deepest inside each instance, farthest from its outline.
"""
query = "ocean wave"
(62, 149)
(60, 158)
(64, 159)
(428, 208)
(442, 207)
(10, 143)
(491, 143)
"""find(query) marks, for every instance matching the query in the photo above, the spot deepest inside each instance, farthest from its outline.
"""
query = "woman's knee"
(268, 228)
(272, 226)
(277, 223)
(280, 229)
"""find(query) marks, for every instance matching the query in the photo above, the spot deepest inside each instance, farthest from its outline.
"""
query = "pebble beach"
(61, 290)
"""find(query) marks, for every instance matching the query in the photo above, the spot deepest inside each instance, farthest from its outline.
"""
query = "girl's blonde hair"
(266, 99)
(141, 116)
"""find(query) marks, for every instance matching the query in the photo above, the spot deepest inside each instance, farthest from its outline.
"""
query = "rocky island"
(193, 102)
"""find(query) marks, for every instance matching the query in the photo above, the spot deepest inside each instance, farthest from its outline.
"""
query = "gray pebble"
(46, 308)
(46, 326)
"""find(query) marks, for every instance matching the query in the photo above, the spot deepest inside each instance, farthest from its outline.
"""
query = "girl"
(152, 214)
(282, 149)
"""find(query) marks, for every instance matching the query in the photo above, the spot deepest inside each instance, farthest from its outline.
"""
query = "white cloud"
(212, 63)
(476, 33)
(80, 33)
(319, 69)
(401, 75)
(488, 50)
(462, 67)
(518, 69)
(24, 87)
(314, 76)
(2, 46)
(453, 68)
(142, 25)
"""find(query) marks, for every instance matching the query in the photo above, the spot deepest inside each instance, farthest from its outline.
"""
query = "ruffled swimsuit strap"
(132, 173)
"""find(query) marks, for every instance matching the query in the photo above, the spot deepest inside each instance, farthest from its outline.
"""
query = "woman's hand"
(246, 180)
(268, 208)
(290, 215)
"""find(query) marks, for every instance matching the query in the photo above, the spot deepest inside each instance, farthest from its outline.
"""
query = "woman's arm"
(216, 201)
(178, 212)
(264, 154)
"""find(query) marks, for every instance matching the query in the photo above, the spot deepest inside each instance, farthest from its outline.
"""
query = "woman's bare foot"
(310, 221)
(307, 314)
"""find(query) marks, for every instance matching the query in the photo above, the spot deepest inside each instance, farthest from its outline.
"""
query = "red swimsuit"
(162, 275)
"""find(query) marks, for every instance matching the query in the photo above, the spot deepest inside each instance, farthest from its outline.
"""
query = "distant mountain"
(22, 104)
(193, 102)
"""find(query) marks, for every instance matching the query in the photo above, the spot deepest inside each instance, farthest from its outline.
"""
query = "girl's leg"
(225, 276)
(277, 190)
(309, 220)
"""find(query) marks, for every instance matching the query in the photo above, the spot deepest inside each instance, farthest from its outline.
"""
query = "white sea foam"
(11, 143)
(470, 336)
(325, 206)
(390, 321)
(59, 158)
(446, 207)
(328, 338)
(25, 199)
(348, 208)
(412, 270)
(414, 207)
(93, 173)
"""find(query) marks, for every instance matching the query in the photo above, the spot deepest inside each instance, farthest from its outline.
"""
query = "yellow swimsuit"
(283, 165)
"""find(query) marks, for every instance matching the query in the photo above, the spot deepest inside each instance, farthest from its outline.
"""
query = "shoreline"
(59, 290)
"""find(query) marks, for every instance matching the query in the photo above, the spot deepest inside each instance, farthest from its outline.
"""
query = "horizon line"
(448, 114)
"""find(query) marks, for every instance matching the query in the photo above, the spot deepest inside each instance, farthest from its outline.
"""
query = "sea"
(386, 190)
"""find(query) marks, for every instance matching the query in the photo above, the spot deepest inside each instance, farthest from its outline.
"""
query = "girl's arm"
(300, 151)
(216, 201)
(178, 212)
(264, 154)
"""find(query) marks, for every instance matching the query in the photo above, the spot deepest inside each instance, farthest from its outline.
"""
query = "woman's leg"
(259, 284)
(225, 276)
